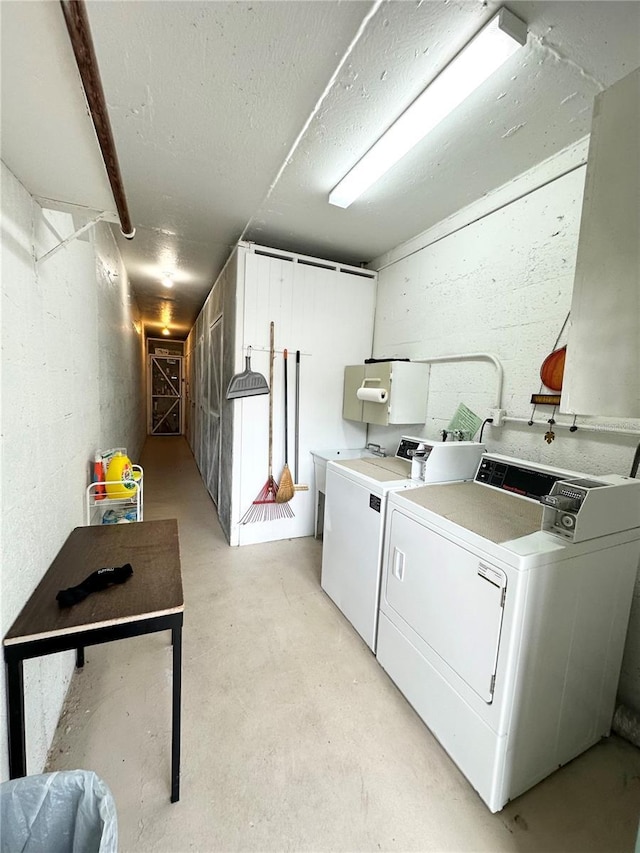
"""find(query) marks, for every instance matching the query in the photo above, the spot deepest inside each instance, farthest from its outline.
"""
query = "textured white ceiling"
(208, 99)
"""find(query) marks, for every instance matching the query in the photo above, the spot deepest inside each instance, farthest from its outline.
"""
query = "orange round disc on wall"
(552, 370)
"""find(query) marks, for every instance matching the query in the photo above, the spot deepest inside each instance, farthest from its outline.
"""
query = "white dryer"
(355, 505)
(503, 619)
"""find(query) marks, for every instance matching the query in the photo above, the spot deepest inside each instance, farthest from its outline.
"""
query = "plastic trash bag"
(70, 811)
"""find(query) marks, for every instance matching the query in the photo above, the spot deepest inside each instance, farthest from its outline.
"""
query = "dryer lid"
(382, 469)
(496, 516)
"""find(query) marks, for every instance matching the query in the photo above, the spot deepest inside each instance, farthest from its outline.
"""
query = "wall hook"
(550, 434)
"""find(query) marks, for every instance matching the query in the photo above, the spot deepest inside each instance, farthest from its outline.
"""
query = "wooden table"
(151, 600)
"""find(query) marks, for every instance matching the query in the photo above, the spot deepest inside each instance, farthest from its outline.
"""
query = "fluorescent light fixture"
(485, 53)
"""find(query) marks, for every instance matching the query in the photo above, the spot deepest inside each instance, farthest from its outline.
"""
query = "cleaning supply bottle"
(119, 480)
(98, 477)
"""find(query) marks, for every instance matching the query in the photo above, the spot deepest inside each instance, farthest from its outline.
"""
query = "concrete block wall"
(72, 374)
(501, 282)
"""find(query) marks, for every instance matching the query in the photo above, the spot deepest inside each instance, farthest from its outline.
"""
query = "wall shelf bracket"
(99, 218)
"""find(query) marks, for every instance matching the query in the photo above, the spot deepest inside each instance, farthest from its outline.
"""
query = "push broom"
(285, 487)
(266, 507)
(298, 487)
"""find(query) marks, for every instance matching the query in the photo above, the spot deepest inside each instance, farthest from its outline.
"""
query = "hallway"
(293, 738)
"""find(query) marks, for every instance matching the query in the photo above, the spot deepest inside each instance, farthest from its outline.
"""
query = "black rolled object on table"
(97, 581)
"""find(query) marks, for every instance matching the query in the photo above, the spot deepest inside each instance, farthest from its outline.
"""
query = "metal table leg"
(15, 702)
(176, 637)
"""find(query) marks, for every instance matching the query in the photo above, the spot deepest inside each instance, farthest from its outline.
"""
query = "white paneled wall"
(71, 384)
(501, 284)
(322, 309)
(327, 314)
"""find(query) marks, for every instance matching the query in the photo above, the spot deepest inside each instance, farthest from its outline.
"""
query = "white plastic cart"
(101, 509)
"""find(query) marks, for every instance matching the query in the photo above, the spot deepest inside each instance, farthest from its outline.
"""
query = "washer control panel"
(575, 506)
(516, 477)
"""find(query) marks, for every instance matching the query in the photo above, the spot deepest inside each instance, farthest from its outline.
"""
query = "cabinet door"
(601, 374)
(351, 406)
(408, 390)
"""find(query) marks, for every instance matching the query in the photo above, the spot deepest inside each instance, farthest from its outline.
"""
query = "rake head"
(265, 506)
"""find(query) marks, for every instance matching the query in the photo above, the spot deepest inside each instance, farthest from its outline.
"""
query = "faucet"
(375, 449)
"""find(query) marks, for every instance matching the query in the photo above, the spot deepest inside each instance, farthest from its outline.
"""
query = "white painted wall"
(72, 371)
(325, 311)
(501, 282)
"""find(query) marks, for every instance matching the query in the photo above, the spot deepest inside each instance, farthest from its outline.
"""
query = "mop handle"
(286, 412)
(297, 413)
(271, 348)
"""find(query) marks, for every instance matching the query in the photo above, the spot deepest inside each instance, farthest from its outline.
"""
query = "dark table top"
(154, 589)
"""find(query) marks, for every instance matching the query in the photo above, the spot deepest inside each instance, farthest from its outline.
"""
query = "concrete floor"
(293, 737)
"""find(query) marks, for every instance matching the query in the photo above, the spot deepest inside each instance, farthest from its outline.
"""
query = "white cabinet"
(603, 348)
(404, 384)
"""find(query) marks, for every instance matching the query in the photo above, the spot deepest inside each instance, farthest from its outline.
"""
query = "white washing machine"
(355, 503)
(503, 614)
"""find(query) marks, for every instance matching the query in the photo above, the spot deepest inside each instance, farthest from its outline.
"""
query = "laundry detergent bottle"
(119, 480)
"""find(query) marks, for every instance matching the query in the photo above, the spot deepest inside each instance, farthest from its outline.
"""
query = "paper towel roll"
(372, 395)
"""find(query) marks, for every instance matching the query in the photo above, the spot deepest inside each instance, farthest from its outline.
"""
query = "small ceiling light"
(167, 280)
(485, 53)
(166, 331)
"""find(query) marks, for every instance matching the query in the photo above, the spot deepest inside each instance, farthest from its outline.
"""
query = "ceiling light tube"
(499, 39)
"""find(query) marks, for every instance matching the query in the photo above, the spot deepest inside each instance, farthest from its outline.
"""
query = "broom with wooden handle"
(285, 489)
